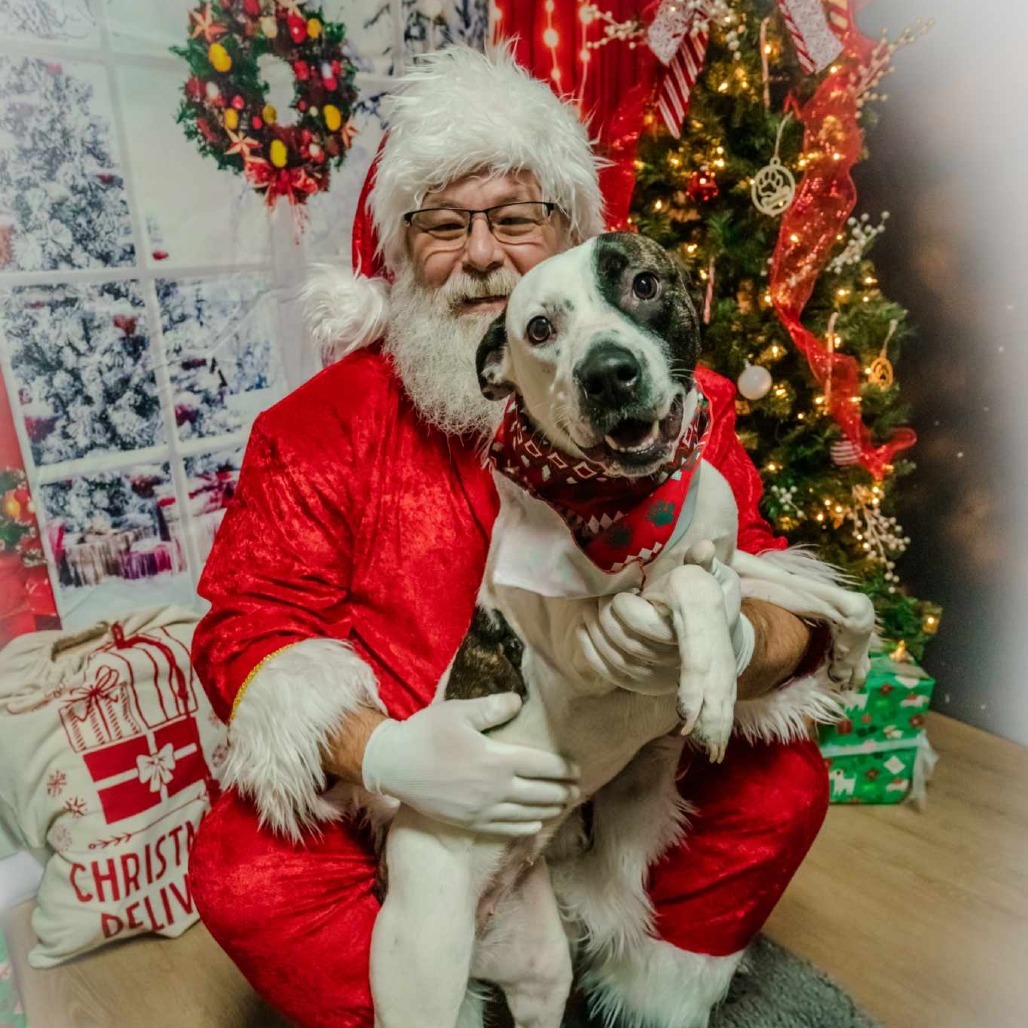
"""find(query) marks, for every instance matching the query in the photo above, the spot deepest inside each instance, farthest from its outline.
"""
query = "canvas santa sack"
(107, 745)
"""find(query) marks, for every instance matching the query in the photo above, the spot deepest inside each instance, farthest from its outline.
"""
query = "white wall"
(950, 160)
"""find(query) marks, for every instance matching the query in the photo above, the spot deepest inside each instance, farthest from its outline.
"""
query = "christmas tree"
(82, 366)
(62, 200)
(766, 143)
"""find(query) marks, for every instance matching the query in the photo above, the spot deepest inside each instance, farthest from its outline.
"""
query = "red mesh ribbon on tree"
(832, 143)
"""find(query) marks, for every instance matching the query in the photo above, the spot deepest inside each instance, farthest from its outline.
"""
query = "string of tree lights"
(831, 443)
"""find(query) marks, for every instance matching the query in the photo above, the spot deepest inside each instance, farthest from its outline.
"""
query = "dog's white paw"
(849, 660)
(706, 693)
(714, 725)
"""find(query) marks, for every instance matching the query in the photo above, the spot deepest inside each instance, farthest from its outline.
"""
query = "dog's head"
(601, 343)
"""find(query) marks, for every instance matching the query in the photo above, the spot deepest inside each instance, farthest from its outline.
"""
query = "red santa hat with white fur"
(458, 112)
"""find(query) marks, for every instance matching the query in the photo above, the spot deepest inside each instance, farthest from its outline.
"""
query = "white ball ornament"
(432, 9)
(754, 382)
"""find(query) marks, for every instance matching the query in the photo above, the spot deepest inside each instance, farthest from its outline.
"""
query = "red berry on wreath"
(301, 105)
(206, 131)
(238, 102)
(195, 89)
(301, 70)
(306, 136)
(331, 84)
(336, 67)
(297, 28)
(255, 121)
(252, 7)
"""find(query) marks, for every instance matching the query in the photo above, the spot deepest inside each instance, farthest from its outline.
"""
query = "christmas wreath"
(225, 108)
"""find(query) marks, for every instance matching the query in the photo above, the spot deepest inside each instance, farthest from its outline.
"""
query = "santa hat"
(458, 112)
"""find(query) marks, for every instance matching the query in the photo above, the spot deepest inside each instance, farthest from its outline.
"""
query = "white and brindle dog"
(599, 345)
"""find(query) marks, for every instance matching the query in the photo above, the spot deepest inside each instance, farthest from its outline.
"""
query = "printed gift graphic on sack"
(139, 750)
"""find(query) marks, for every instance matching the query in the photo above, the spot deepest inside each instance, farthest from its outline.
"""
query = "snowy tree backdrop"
(146, 299)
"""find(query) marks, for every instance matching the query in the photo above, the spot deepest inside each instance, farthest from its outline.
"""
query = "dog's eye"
(539, 330)
(646, 285)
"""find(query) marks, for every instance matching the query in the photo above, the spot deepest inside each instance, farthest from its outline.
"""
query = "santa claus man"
(346, 571)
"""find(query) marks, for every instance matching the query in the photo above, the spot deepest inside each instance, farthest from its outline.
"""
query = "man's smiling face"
(448, 291)
(477, 257)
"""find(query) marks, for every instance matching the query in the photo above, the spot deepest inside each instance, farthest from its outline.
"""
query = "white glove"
(439, 762)
(627, 639)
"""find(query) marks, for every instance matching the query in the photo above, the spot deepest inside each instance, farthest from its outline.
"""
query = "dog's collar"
(615, 520)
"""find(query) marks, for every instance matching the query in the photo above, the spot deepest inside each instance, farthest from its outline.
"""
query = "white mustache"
(462, 286)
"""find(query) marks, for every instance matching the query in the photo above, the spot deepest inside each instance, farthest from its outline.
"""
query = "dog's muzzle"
(634, 431)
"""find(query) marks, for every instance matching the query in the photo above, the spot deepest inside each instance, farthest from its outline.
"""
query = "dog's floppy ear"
(491, 361)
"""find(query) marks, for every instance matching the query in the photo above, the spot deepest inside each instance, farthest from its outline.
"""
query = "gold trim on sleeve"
(250, 677)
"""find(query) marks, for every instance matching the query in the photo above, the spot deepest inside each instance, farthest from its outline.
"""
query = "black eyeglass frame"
(487, 211)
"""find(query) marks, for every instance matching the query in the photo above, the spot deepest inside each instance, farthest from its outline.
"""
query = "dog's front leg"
(707, 686)
(423, 939)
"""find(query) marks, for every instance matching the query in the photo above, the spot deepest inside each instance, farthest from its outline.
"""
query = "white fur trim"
(803, 560)
(782, 715)
(636, 817)
(460, 112)
(817, 591)
(343, 311)
(290, 709)
(657, 985)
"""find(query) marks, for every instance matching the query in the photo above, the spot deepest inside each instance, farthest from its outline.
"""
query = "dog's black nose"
(610, 375)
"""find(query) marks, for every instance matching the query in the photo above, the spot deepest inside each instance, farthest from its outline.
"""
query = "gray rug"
(773, 989)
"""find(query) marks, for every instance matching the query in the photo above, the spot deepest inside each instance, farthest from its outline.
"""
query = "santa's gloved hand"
(439, 762)
(627, 640)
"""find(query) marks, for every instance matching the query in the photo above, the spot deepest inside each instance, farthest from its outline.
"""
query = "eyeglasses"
(517, 222)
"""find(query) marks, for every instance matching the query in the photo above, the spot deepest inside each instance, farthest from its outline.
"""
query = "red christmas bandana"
(613, 519)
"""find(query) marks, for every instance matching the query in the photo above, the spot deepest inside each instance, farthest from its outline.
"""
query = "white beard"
(433, 348)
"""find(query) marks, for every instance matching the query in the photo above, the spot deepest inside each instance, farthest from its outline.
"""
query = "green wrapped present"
(889, 708)
(878, 751)
(879, 772)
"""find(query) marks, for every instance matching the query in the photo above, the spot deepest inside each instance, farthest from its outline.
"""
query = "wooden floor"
(923, 918)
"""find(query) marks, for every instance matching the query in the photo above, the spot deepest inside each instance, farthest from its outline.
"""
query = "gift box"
(143, 772)
(878, 751)
(876, 772)
(100, 712)
(890, 707)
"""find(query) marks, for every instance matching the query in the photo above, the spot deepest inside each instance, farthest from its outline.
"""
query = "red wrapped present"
(140, 773)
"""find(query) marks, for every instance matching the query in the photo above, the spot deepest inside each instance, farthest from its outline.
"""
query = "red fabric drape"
(25, 593)
(612, 85)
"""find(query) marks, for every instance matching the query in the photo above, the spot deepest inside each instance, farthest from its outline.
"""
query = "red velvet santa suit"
(346, 572)
(355, 521)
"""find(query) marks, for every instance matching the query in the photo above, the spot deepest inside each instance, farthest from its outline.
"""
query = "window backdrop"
(147, 309)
